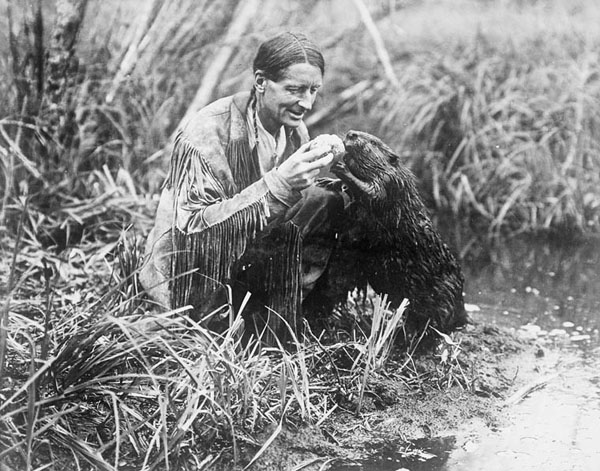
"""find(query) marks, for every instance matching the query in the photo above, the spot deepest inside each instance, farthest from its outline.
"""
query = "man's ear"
(259, 81)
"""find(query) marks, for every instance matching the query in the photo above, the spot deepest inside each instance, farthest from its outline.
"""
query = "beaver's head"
(371, 169)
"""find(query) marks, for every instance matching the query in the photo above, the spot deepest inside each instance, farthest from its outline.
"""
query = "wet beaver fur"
(389, 241)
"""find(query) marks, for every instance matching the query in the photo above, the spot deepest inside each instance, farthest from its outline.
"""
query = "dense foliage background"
(493, 104)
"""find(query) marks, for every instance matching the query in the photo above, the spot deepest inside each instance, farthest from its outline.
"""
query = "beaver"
(388, 240)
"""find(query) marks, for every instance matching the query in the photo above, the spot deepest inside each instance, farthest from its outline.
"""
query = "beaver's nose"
(351, 135)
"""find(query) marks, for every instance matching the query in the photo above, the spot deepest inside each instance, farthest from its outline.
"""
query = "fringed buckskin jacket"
(214, 203)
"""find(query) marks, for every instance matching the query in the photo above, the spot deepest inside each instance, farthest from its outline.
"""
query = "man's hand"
(304, 165)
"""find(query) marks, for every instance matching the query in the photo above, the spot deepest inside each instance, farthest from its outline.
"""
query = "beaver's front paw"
(340, 168)
(331, 184)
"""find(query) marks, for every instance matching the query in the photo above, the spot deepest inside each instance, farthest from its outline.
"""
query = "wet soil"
(395, 416)
(531, 405)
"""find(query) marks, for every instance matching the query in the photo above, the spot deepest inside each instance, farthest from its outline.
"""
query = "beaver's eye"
(393, 158)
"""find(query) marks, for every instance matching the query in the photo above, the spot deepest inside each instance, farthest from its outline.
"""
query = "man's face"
(285, 102)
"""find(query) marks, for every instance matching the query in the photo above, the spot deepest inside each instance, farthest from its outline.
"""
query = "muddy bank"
(532, 402)
(461, 392)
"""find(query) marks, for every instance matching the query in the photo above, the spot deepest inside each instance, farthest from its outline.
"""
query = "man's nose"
(306, 101)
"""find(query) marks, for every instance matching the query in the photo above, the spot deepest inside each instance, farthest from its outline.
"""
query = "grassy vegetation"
(515, 146)
(496, 111)
(94, 377)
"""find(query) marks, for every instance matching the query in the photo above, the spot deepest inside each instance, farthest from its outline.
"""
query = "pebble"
(531, 331)
(568, 324)
(536, 329)
(579, 337)
(472, 307)
(557, 333)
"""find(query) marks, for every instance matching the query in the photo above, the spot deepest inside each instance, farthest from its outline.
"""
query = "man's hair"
(286, 49)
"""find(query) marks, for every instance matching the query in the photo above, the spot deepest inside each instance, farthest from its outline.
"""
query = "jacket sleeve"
(213, 224)
(200, 206)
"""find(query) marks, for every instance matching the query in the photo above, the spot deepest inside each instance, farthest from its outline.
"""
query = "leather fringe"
(187, 163)
(243, 162)
(203, 262)
(283, 284)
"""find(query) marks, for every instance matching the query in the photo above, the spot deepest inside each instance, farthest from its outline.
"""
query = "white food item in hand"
(334, 142)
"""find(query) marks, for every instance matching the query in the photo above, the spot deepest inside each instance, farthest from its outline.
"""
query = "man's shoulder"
(209, 114)
(222, 106)
(211, 122)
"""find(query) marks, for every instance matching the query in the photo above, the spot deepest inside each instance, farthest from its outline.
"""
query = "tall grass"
(151, 389)
(514, 142)
(93, 374)
(156, 390)
(385, 326)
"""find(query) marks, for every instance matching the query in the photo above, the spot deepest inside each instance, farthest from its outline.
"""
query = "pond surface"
(548, 291)
(531, 283)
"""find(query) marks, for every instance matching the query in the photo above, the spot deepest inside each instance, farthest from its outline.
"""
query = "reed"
(499, 123)
(385, 326)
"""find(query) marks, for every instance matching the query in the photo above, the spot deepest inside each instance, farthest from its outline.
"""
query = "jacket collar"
(238, 129)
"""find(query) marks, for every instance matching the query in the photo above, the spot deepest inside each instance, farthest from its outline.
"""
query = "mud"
(396, 416)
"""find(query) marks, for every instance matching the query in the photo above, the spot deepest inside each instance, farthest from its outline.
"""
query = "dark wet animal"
(389, 241)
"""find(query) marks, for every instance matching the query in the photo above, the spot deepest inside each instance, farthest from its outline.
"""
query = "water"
(548, 291)
(554, 429)
(553, 285)
(420, 455)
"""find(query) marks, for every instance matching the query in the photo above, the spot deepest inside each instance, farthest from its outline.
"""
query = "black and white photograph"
(299, 235)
